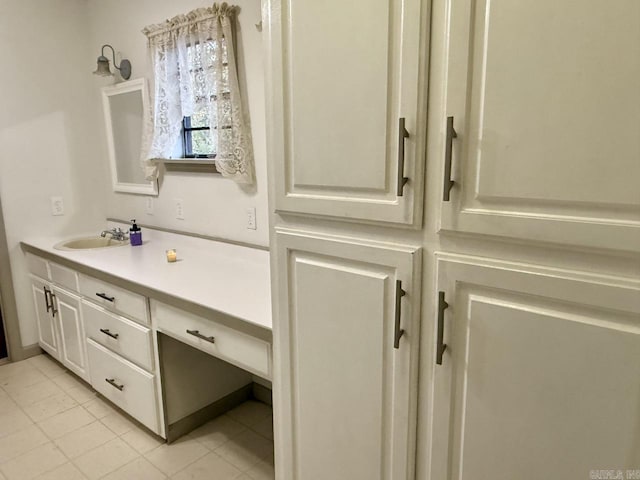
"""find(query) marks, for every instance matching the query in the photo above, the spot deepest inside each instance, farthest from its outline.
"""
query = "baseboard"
(30, 351)
(202, 416)
(262, 393)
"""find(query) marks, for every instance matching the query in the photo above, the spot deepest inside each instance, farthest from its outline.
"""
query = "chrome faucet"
(116, 234)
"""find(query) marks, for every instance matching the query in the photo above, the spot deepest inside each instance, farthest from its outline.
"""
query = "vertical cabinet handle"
(441, 346)
(112, 382)
(46, 298)
(398, 332)
(448, 183)
(54, 310)
(402, 180)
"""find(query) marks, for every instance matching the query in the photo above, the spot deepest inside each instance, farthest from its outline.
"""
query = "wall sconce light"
(103, 65)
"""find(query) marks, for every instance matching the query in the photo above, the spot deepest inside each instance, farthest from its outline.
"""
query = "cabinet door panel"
(46, 329)
(548, 146)
(351, 404)
(531, 380)
(346, 83)
(72, 339)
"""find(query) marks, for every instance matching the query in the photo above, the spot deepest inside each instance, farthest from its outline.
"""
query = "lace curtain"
(195, 75)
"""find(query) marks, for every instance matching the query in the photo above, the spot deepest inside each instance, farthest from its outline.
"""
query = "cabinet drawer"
(128, 386)
(114, 298)
(64, 276)
(120, 335)
(237, 348)
(38, 266)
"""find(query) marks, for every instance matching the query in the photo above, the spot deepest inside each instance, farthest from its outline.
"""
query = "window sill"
(204, 165)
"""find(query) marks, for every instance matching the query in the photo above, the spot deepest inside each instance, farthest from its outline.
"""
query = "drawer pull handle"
(105, 296)
(107, 332)
(112, 382)
(196, 333)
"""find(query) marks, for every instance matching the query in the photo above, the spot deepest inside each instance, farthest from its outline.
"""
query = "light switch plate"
(251, 218)
(148, 205)
(179, 208)
(57, 206)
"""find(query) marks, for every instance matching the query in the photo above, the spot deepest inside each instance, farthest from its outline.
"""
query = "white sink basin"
(85, 243)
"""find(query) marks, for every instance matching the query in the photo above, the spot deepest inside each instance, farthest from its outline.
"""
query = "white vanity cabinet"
(348, 110)
(539, 362)
(58, 313)
(351, 310)
(546, 115)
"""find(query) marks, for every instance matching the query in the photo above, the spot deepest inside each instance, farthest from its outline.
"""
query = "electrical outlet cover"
(57, 206)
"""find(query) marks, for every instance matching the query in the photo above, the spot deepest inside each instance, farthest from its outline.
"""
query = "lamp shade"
(103, 67)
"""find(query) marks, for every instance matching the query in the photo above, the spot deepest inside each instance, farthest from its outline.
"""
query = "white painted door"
(344, 76)
(72, 340)
(47, 337)
(347, 403)
(545, 102)
(539, 378)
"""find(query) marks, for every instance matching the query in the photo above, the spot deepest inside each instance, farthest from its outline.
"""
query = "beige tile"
(208, 467)
(13, 421)
(118, 423)
(105, 459)
(33, 463)
(141, 440)
(6, 403)
(246, 449)
(34, 393)
(65, 422)
(99, 408)
(86, 438)
(251, 412)
(139, 469)
(218, 431)
(263, 470)
(264, 427)
(47, 365)
(68, 471)
(67, 381)
(15, 368)
(244, 476)
(50, 406)
(82, 394)
(21, 442)
(173, 458)
(27, 377)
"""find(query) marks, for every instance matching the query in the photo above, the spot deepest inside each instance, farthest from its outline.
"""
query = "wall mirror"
(125, 106)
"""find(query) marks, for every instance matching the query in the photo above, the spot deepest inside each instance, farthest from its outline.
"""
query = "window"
(196, 138)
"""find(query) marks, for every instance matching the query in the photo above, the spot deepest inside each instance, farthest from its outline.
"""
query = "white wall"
(212, 205)
(47, 137)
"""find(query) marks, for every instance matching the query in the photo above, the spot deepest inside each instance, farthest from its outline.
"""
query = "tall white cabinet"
(515, 350)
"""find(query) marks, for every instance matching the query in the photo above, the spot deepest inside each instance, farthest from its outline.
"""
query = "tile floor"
(54, 427)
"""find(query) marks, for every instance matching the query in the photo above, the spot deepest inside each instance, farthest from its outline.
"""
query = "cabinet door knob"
(441, 346)
(398, 332)
(448, 150)
(402, 180)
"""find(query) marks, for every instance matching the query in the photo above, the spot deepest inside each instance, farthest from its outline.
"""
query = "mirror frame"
(140, 84)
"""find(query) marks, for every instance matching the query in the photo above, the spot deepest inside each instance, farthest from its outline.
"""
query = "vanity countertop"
(219, 276)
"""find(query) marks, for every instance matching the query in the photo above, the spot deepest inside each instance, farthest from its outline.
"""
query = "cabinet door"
(72, 340)
(346, 74)
(545, 101)
(347, 409)
(47, 336)
(539, 378)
